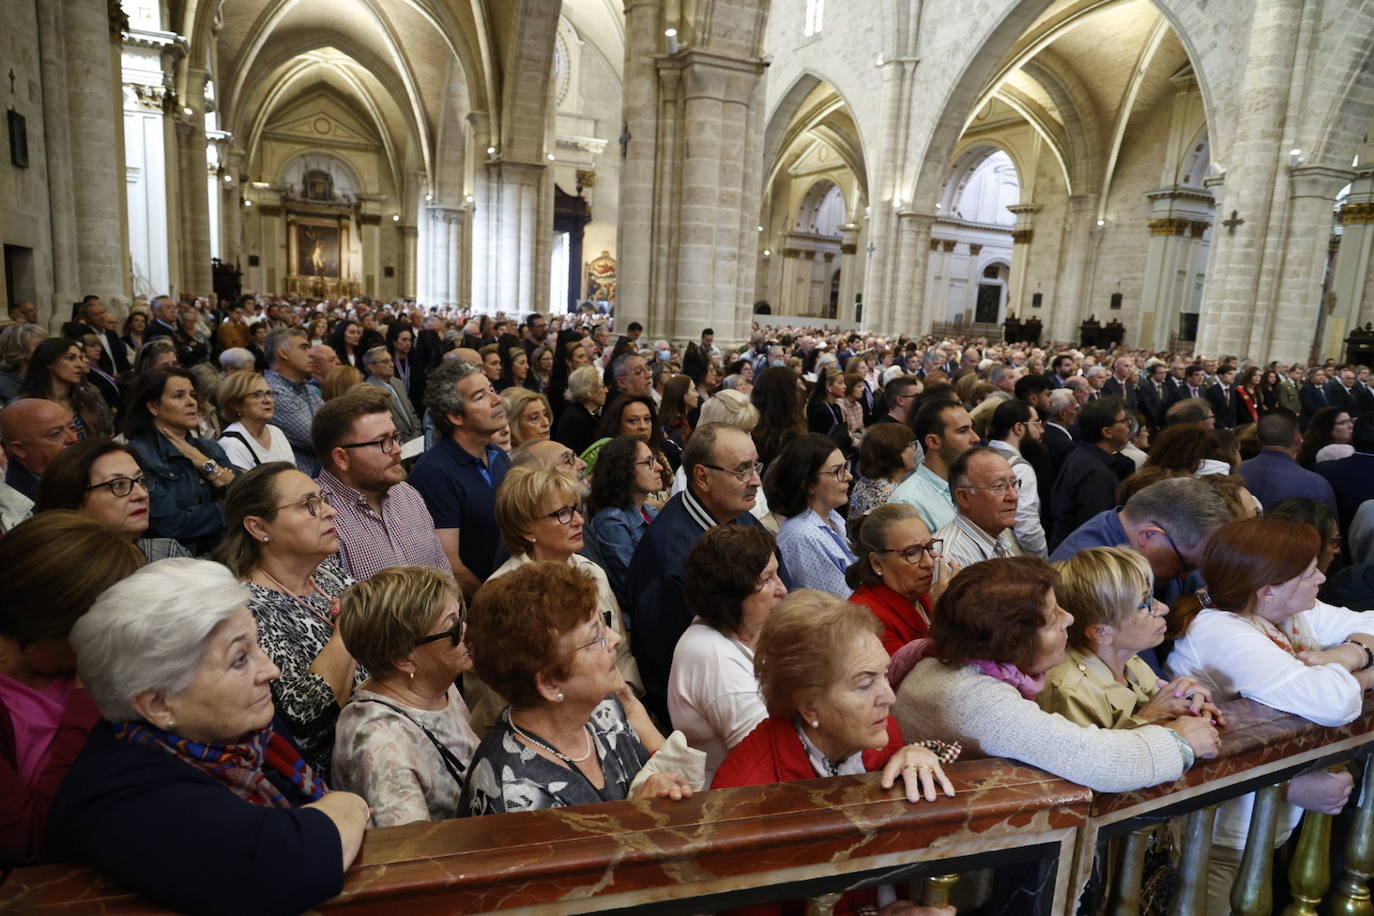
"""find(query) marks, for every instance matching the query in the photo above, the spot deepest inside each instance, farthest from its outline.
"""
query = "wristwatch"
(209, 468)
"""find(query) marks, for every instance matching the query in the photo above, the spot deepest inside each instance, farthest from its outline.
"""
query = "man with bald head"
(33, 431)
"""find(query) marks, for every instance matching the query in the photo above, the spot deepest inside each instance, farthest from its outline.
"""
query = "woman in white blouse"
(250, 440)
(731, 585)
(1258, 631)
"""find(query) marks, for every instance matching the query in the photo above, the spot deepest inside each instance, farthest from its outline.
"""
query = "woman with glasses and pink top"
(404, 741)
(281, 542)
(573, 734)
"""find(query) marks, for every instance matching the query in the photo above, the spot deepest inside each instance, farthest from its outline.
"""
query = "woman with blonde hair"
(247, 404)
(528, 414)
(340, 380)
(539, 513)
(17, 343)
(404, 741)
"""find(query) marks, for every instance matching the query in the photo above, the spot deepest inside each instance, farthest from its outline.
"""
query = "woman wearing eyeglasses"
(899, 571)
(1103, 681)
(281, 542)
(404, 741)
(567, 738)
(249, 440)
(807, 483)
(627, 471)
(102, 479)
(540, 515)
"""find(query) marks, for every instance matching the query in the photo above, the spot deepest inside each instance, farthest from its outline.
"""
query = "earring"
(815, 723)
(266, 538)
(560, 698)
(412, 676)
(171, 725)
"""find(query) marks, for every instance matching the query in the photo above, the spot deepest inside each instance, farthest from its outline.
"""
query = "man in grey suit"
(381, 371)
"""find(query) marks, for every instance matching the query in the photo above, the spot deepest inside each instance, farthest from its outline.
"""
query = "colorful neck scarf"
(907, 656)
(239, 766)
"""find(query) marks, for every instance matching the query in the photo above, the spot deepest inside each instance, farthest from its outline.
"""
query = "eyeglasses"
(565, 514)
(264, 395)
(913, 553)
(311, 504)
(999, 488)
(387, 444)
(123, 486)
(740, 474)
(1148, 606)
(600, 639)
(1184, 567)
(839, 473)
(646, 463)
(455, 633)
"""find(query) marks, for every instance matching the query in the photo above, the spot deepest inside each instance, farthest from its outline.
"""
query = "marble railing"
(814, 839)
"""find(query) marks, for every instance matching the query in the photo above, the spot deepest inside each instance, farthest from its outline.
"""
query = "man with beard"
(1014, 433)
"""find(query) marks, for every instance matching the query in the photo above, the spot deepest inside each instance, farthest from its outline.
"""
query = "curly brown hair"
(992, 610)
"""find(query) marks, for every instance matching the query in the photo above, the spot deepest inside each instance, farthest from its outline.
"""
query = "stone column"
(1237, 305)
(1295, 306)
(793, 298)
(909, 309)
(197, 278)
(1022, 235)
(1352, 273)
(231, 214)
(639, 150)
(1075, 260)
(1179, 219)
(518, 240)
(850, 282)
(407, 284)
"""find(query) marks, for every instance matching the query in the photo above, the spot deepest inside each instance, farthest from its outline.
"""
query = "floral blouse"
(292, 637)
(508, 775)
(868, 495)
(388, 759)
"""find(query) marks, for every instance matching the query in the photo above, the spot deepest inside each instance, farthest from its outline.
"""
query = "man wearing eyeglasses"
(34, 431)
(723, 469)
(986, 491)
(382, 373)
(381, 520)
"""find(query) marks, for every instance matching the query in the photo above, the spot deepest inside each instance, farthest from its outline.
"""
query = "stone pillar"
(639, 150)
(197, 278)
(148, 58)
(1022, 235)
(1179, 219)
(1352, 273)
(974, 280)
(231, 214)
(408, 279)
(850, 282)
(910, 310)
(1075, 261)
(1237, 305)
(518, 239)
(793, 288)
(1295, 306)
(443, 252)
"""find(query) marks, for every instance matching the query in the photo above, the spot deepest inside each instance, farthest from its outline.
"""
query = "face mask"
(664, 354)
(775, 362)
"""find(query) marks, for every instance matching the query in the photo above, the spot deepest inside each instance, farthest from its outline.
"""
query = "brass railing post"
(1252, 893)
(1126, 888)
(937, 889)
(1309, 875)
(1194, 860)
(1352, 890)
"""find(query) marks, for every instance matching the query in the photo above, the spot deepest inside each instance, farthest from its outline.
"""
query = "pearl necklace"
(549, 747)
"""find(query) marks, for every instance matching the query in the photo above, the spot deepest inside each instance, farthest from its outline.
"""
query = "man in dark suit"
(164, 323)
(1222, 397)
(1123, 383)
(1061, 367)
(1364, 390)
(114, 356)
(1190, 388)
(1341, 392)
(1152, 394)
(1313, 397)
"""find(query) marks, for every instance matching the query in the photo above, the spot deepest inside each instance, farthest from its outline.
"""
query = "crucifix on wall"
(1233, 222)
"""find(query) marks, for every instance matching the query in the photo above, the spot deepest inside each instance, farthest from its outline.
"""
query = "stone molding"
(1179, 227)
(1022, 236)
(1353, 214)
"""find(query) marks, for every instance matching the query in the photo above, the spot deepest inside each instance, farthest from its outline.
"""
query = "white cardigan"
(1233, 658)
(991, 719)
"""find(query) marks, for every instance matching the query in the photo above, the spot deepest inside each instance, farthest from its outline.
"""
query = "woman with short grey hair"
(576, 423)
(185, 793)
(17, 343)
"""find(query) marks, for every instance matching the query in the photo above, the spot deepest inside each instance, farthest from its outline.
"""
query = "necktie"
(999, 549)
(1192, 391)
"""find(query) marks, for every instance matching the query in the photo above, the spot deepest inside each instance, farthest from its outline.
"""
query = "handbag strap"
(454, 766)
(244, 439)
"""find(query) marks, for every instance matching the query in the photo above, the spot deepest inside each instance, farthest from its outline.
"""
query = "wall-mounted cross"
(870, 249)
(1233, 222)
(11, 81)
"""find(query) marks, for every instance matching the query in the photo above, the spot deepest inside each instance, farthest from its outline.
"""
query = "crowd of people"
(278, 571)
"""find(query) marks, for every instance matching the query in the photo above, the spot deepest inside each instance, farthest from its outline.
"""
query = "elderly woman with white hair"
(577, 422)
(186, 793)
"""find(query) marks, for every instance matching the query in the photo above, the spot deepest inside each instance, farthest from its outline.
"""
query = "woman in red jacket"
(822, 673)
(895, 575)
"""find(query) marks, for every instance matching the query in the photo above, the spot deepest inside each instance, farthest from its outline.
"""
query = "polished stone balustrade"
(815, 839)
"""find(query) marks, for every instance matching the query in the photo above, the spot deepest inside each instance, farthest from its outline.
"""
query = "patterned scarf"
(907, 656)
(238, 766)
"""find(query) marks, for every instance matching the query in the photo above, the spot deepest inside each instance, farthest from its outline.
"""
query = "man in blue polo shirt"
(458, 477)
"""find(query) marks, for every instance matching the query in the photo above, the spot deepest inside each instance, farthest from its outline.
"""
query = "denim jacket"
(611, 537)
(182, 504)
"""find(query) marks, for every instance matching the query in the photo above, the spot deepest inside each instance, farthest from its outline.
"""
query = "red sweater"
(773, 752)
(901, 621)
